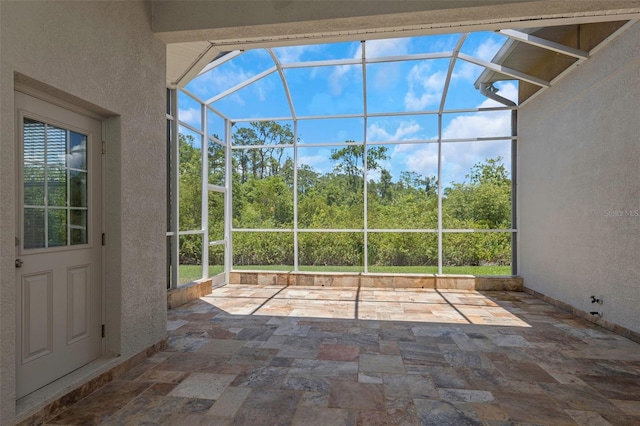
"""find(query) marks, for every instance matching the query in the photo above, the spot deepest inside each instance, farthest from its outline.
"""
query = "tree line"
(263, 185)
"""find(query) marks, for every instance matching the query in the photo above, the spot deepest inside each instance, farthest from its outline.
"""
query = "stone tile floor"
(272, 355)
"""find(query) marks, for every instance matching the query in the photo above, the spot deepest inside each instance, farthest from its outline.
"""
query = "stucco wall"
(103, 53)
(177, 21)
(579, 185)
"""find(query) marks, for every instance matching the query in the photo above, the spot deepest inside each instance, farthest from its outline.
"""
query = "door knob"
(19, 263)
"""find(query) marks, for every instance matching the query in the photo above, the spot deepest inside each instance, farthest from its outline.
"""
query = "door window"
(55, 186)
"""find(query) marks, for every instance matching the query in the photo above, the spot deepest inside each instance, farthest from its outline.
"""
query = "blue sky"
(406, 86)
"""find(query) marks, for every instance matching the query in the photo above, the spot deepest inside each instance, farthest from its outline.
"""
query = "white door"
(58, 242)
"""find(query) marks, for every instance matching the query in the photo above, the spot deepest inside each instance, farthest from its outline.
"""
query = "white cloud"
(459, 157)
(340, 77)
(77, 158)
(319, 162)
(220, 79)
(190, 115)
(425, 87)
(481, 124)
(386, 47)
(294, 53)
(225, 77)
(349, 74)
(377, 133)
(487, 49)
(423, 160)
(465, 71)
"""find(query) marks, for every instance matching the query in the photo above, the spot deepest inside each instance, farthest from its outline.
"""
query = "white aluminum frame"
(363, 61)
(227, 190)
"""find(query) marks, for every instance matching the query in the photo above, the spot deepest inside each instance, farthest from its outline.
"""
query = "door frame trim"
(19, 114)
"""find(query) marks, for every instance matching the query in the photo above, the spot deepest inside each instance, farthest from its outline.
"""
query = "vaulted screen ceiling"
(535, 57)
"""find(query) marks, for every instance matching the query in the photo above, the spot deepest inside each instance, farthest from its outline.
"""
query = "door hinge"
(104, 147)
(104, 239)
(102, 331)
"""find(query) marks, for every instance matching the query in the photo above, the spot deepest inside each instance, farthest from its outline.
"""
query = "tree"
(483, 200)
(264, 160)
(216, 154)
(350, 161)
(189, 198)
(263, 181)
(385, 187)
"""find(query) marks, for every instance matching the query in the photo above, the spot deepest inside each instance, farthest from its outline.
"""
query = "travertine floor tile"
(203, 385)
(264, 355)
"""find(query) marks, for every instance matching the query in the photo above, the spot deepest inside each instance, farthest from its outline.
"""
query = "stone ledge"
(356, 279)
(181, 295)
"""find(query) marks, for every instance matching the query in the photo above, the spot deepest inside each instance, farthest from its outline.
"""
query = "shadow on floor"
(267, 355)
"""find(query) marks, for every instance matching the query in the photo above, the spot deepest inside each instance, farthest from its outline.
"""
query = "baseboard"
(623, 331)
(46, 403)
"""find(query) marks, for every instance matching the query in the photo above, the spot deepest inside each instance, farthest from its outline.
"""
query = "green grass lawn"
(190, 273)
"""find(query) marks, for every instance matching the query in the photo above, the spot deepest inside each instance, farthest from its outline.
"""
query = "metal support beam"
(228, 207)
(296, 251)
(221, 60)
(205, 191)
(365, 201)
(284, 82)
(579, 62)
(452, 64)
(545, 44)
(175, 189)
(242, 85)
(505, 70)
(514, 193)
(440, 193)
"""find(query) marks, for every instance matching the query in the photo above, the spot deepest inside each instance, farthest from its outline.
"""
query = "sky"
(392, 87)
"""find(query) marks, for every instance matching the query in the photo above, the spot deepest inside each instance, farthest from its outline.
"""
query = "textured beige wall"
(105, 54)
(579, 169)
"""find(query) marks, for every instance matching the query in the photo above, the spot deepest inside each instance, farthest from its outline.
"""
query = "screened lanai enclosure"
(378, 156)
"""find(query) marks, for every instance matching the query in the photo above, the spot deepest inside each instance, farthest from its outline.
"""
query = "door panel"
(37, 315)
(78, 303)
(58, 243)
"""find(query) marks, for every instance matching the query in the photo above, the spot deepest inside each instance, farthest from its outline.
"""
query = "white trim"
(191, 232)
(43, 96)
(217, 112)
(325, 63)
(545, 44)
(505, 70)
(374, 114)
(284, 82)
(221, 60)
(242, 85)
(452, 64)
(190, 127)
(191, 95)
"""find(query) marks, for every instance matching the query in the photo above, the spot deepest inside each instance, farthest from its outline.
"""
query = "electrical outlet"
(596, 299)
